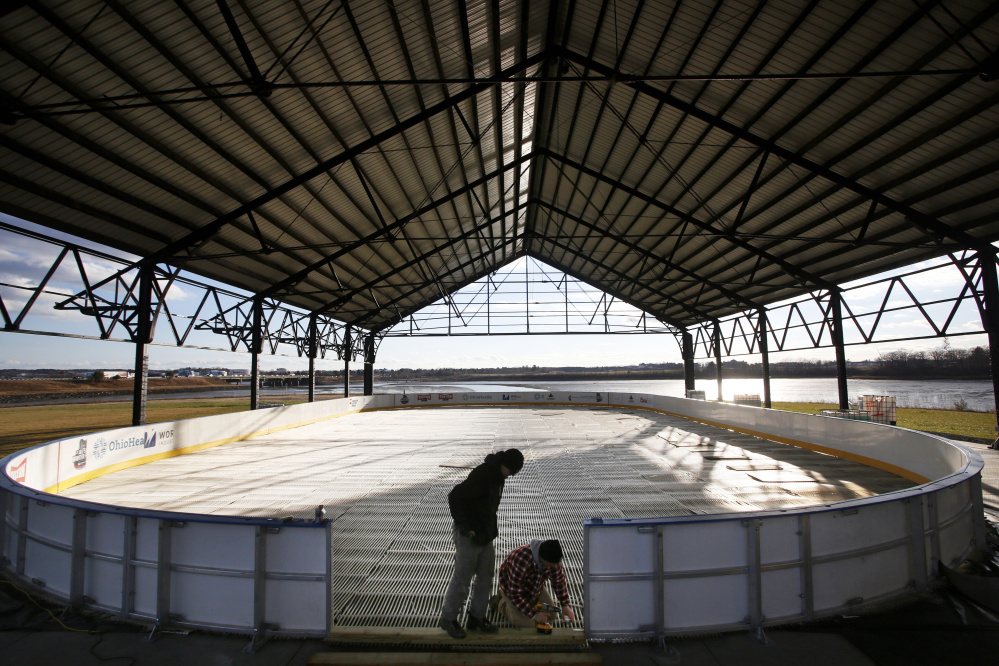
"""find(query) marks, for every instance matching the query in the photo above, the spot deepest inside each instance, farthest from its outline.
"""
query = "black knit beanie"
(512, 459)
(550, 551)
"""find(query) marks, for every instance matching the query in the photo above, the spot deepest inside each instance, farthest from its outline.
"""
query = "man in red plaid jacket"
(522, 579)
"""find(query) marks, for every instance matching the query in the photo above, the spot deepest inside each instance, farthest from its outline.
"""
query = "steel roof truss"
(795, 318)
(264, 89)
(98, 55)
(388, 229)
(255, 78)
(735, 240)
(785, 154)
(609, 270)
(210, 229)
(637, 279)
(393, 303)
(37, 291)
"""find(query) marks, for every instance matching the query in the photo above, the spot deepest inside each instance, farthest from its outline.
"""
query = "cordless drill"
(546, 627)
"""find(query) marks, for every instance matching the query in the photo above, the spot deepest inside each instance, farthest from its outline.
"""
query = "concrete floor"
(939, 629)
(384, 477)
(990, 477)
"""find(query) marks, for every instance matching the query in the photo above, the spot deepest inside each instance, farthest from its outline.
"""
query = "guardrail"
(651, 578)
(265, 577)
(643, 578)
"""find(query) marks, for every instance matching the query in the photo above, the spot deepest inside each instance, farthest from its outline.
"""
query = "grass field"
(950, 421)
(21, 427)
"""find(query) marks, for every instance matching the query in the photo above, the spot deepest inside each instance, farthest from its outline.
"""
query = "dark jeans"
(470, 559)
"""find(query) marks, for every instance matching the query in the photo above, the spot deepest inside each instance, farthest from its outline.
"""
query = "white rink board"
(758, 569)
(719, 572)
(228, 574)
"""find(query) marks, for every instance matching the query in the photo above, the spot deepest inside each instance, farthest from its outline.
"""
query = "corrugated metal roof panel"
(663, 171)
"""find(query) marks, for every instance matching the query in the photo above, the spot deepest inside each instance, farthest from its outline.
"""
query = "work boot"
(485, 626)
(452, 628)
(495, 599)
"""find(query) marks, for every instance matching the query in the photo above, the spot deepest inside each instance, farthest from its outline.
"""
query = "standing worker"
(474, 503)
(522, 583)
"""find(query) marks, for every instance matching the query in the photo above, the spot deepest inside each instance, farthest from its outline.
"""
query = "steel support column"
(313, 347)
(369, 364)
(347, 343)
(836, 302)
(990, 321)
(687, 351)
(717, 340)
(765, 356)
(143, 336)
(256, 347)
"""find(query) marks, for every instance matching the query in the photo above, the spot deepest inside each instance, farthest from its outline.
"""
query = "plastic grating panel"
(380, 478)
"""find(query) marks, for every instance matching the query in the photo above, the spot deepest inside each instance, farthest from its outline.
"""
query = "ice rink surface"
(383, 478)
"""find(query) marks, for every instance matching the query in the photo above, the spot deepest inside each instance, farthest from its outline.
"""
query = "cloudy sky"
(24, 262)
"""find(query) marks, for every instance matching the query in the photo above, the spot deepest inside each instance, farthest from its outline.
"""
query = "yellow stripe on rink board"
(845, 455)
(117, 467)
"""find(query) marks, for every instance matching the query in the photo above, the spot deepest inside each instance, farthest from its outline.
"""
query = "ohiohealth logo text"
(101, 447)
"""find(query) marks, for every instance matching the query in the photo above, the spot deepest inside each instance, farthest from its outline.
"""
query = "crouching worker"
(474, 503)
(522, 579)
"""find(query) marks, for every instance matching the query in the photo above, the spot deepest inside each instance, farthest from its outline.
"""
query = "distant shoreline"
(97, 393)
(17, 392)
(650, 376)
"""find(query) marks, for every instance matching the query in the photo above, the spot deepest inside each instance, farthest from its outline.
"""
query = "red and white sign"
(19, 472)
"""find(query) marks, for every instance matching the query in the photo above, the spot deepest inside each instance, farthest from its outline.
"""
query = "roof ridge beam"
(927, 222)
(210, 229)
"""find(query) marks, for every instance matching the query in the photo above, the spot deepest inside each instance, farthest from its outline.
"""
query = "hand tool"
(546, 627)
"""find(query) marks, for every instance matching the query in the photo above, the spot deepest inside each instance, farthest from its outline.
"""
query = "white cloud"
(177, 293)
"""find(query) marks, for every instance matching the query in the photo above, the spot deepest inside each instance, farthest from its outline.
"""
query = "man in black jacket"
(474, 503)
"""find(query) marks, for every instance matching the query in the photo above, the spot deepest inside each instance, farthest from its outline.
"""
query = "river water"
(935, 393)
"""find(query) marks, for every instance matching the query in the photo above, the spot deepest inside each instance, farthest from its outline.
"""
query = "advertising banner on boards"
(520, 397)
(49, 465)
(56, 465)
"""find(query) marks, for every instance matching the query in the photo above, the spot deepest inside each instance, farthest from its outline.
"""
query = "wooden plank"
(455, 659)
(505, 637)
